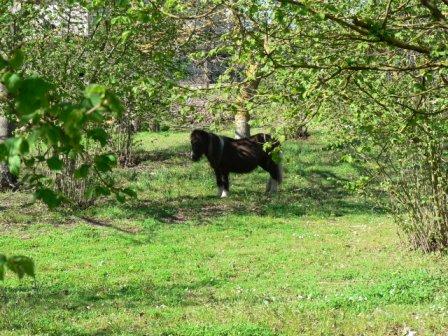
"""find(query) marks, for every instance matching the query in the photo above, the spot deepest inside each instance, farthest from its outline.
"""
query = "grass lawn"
(312, 260)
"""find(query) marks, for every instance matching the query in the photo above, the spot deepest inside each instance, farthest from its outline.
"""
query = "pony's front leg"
(219, 183)
(225, 181)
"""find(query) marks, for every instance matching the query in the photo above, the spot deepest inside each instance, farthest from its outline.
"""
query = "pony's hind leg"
(268, 185)
(220, 191)
(275, 175)
(219, 183)
(272, 185)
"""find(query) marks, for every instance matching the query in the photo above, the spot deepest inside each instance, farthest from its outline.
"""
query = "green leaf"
(120, 197)
(21, 265)
(105, 162)
(95, 94)
(49, 197)
(3, 152)
(16, 146)
(98, 134)
(125, 35)
(24, 146)
(51, 134)
(12, 82)
(30, 162)
(3, 63)
(14, 164)
(17, 59)
(130, 192)
(74, 120)
(82, 171)
(32, 95)
(55, 163)
(102, 191)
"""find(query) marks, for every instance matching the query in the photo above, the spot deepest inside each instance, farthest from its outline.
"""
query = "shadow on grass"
(320, 190)
(169, 294)
(142, 156)
(96, 222)
(81, 300)
(323, 200)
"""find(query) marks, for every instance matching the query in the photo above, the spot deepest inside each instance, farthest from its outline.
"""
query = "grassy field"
(312, 260)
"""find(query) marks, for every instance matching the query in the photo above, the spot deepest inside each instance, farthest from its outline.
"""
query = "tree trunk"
(247, 93)
(242, 127)
(154, 125)
(8, 181)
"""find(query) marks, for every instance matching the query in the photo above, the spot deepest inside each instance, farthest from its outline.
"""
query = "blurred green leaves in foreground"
(51, 134)
(20, 265)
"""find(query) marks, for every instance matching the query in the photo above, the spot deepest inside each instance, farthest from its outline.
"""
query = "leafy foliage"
(385, 98)
(119, 45)
(61, 127)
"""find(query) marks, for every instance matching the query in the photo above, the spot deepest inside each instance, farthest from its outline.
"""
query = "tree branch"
(362, 28)
(435, 12)
(386, 17)
(185, 17)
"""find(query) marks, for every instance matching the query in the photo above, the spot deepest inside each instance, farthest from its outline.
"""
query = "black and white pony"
(227, 155)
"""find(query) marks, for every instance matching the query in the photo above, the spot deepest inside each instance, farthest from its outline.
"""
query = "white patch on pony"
(225, 193)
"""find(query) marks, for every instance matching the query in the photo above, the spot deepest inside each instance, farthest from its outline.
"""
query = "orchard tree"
(240, 36)
(378, 72)
(122, 45)
(375, 71)
(61, 128)
(219, 34)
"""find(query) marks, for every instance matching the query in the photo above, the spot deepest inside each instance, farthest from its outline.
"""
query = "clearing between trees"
(315, 259)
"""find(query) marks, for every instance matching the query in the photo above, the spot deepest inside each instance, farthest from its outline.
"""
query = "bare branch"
(386, 17)
(435, 12)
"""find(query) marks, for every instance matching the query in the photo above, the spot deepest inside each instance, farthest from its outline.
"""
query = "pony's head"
(199, 142)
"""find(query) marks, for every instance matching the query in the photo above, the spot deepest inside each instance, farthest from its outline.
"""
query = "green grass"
(312, 260)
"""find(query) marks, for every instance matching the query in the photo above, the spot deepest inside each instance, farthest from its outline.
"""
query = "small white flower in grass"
(409, 332)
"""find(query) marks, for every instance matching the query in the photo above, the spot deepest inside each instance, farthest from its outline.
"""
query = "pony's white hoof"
(224, 194)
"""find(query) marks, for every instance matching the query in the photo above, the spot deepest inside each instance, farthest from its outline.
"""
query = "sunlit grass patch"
(315, 259)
